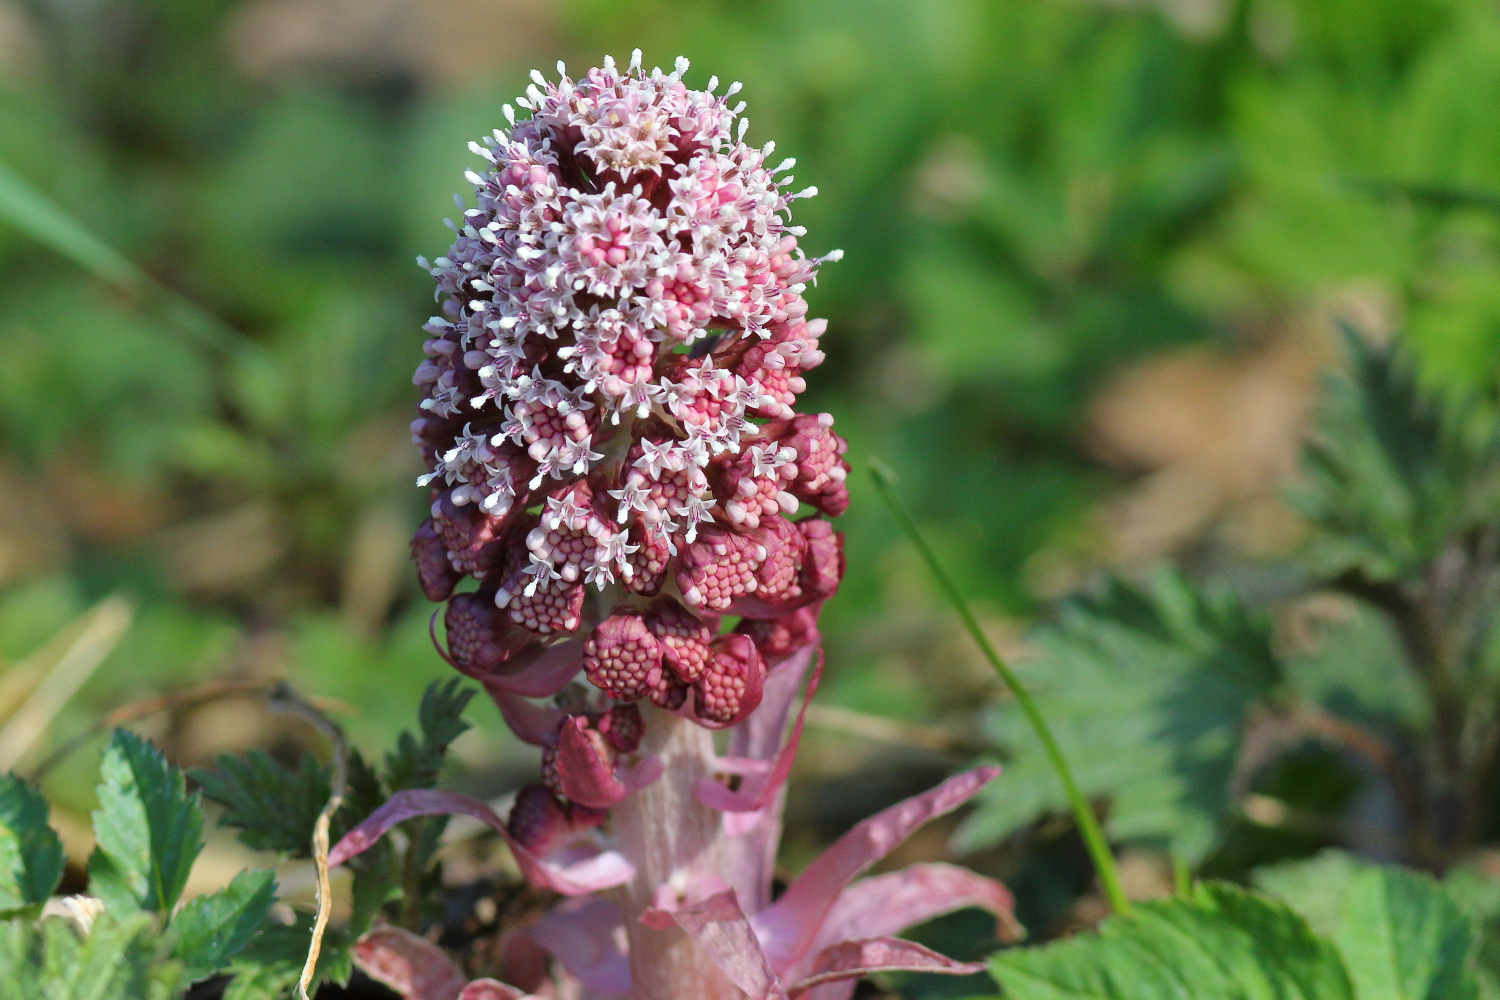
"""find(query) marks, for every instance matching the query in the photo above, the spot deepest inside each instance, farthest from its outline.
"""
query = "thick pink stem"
(673, 840)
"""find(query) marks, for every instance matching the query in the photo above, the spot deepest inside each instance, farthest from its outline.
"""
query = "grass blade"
(100, 631)
(38, 216)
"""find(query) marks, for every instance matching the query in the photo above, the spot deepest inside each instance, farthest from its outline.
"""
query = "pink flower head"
(610, 426)
(609, 396)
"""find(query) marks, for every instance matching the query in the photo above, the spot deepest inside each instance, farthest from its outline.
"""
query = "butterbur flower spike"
(614, 454)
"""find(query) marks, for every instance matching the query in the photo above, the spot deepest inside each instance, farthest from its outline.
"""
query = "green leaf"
(1315, 887)
(414, 763)
(209, 930)
(1478, 895)
(1219, 943)
(1392, 471)
(1403, 938)
(147, 827)
(377, 879)
(259, 982)
(278, 950)
(373, 888)
(31, 856)
(1146, 690)
(1402, 935)
(274, 807)
(119, 959)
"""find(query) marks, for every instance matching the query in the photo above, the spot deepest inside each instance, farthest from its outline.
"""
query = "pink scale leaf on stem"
(791, 923)
(602, 870)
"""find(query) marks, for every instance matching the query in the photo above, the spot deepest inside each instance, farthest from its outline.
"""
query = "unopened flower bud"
(622, 658)
(730, 687)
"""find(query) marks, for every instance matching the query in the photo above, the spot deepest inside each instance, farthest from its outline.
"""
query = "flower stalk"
(671, 839)
(1083, 812)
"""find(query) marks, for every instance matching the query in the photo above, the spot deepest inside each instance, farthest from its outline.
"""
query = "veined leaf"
(273, 806)
(31, 856)
(1403, 936)
(1219, 943)
(1392, 470)
(1146, 690)
(148, 828)
(209, 930)
(1315, 887)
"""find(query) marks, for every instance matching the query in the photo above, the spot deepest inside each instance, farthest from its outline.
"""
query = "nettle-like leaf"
(121, 958)
(1391, 471)
(148, 828)
(211, 929)
(363, 794)
(1218, 943)
(1403, 936)
(31, 856)
(274, 806)
(415, 763)
(1146, 689)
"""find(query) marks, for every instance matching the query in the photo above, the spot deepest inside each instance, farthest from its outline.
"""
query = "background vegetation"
(1096, 258)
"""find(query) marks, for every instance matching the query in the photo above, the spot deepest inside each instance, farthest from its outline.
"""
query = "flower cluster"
(615, 456)
(608, 413)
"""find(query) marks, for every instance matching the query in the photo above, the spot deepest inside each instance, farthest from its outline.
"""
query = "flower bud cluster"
(608, 413)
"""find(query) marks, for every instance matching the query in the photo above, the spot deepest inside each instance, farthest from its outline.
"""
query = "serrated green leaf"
(120, 888)
(147, 827)
(1146, 690)
(372, 889)
(1392, 471)
(1478, 895)
(209, 930)
(1402, 935)
(1219, 943)
(274, 807)
(31, 856)
(1403, 938)
(415, 763)
(119, 959)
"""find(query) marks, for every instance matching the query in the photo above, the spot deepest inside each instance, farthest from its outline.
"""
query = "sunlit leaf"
(209, 930)
(274, 807)
(147, 827)
(1221, 943)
